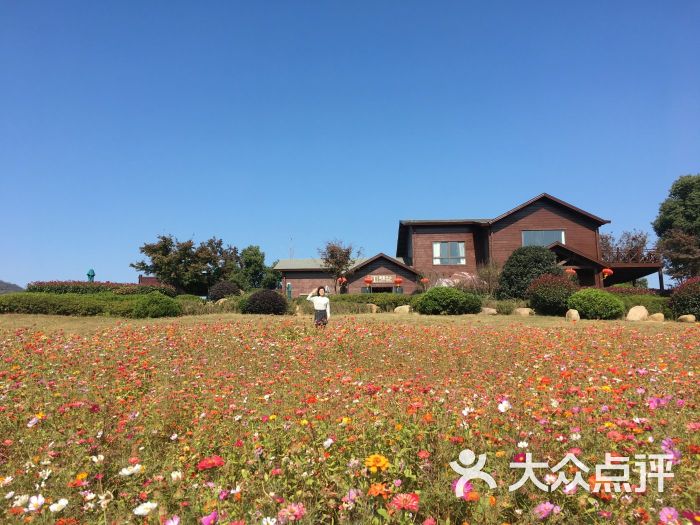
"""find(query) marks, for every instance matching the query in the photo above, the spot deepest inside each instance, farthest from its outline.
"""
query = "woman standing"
(322, 306)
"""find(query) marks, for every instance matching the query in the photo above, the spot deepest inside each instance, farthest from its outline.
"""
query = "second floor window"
(450, 252)
(542, 237)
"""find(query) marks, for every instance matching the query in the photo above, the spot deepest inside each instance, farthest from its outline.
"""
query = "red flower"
(210, 462)
(405, 502)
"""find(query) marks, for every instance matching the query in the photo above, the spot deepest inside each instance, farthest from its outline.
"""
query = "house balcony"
(646, 256)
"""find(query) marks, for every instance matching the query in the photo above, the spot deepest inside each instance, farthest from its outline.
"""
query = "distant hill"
(9, 287)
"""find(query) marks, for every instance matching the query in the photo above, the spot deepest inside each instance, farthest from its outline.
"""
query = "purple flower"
(668, 515)
(543, 510)
(210, 519)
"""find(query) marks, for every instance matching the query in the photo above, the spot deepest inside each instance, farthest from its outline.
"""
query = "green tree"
(189, 268)
(253, 266)
(678, 228)
(522, 267)
(337, 259)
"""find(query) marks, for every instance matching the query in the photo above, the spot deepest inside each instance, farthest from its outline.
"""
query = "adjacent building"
(434, 249)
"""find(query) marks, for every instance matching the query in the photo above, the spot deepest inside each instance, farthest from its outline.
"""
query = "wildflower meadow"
(267, 420)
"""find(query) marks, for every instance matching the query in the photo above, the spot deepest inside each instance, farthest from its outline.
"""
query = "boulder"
(637, 313)
(572, 315)
(658, 318)
(222, 301)
(373, 308)
(488, 311)
(689, 318)
(403, 309)
(524, 312)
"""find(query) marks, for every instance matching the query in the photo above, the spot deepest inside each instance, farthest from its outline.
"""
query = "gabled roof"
(558, 247)
(396, 260)
(560, 202)
(317, 264)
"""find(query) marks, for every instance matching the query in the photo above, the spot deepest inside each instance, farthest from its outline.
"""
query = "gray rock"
(637, 313)
(688, 318)
(657, 318)
(403, 309)
(524, 312)
(488, 311)
(572, 315)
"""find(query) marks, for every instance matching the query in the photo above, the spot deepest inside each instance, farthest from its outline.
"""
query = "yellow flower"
(345, 421)
(81, 476)
(303, 422)
(273, 417)
(377, 462)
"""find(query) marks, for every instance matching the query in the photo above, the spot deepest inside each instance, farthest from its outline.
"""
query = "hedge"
(653, 303)
(442, 300)
(548, 294)
(385, 301)
(85, 287)
(686, 298)
(592, 303)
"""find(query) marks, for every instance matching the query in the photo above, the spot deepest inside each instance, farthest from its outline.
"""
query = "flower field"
(266, 420)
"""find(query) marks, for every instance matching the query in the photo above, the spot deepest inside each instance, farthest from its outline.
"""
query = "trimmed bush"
(67, 304)
(442, 300)
(653, 303)
(155, 304)
(592, 303)
(85, 287)
(223, 289)
(264, 302)
(618, 289)
(385, 301)
(548, 294)
(522, 267)
(685, 299)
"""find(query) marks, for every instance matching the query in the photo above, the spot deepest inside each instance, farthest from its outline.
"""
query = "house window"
(451, 252)
(542, 237)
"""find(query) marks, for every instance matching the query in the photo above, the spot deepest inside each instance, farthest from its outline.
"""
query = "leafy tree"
(678, 228)
(522, 267)
(630, 246)
(253, 266)
(189, 268)
(337, 259)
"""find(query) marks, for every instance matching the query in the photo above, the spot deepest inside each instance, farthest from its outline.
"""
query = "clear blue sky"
(286, 124)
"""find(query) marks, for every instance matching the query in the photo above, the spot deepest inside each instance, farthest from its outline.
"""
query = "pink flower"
(405, 501)
(210, 519)
(175, 520)
(430, 521)
(543, 510)
(668, 515)
(210, 462)
(292, 512)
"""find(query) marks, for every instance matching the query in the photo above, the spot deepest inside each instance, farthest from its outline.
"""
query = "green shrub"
(442, 300)
(522, 267)
(103, 303)
(385, 301)
(653, 303)
(265, 302)
(223, 289)
(85, 287)
(686, 298)
(548, 294)
(592, 303)
(155, 304)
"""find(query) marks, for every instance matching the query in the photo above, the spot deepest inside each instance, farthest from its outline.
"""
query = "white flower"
(269, 521)
(20, 501)
(575, 436)
(173, 437)
(504, 405)
(176, 476)
(467, 411)
(35, 503)
(87, 495)
(4, 482)
(10, 494)
(97, 459)
(145, 508)
(522, 444)
(105, 499)
(327, 443)
(554, 403)
(128, 471)
(59, 505)
(45, 474)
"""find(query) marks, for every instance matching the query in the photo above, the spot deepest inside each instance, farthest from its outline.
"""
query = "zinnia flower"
(210, 462)
(292, 512)
(377, 462)
(405, 501)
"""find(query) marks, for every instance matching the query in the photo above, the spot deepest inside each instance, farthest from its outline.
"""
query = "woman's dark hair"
(319, 289)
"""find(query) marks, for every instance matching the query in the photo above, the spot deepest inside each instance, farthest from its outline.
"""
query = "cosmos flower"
(145, 508)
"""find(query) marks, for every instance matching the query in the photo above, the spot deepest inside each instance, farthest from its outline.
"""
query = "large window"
(451, 252)
(542, 237)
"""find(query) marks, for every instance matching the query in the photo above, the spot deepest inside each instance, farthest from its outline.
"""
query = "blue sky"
(286, 124)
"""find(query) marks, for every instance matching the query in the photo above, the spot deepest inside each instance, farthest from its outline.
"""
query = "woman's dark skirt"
(320, 317)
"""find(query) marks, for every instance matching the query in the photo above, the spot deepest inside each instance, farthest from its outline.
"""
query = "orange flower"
(378, 489)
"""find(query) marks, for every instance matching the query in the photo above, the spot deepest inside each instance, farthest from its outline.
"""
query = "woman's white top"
(320, 303)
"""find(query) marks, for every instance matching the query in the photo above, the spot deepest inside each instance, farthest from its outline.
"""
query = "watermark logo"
(613, 475)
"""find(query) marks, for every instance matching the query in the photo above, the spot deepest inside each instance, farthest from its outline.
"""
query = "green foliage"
(337, 258)
(548, 294)
(522, 267)
(653, 303)
(85, 287)
(678, 228)
(265, 302)
(104, 303)
(252, 266)
(385, 301)
(155, 304)
(223, 289)
(592, 303)
(442, 300)
(686, 298)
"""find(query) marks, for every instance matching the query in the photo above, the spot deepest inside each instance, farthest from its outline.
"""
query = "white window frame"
(462, 254)
(522, 236)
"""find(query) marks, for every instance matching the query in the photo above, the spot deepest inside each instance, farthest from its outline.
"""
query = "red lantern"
(425, 280)
(342, 280)
(570, 271)
(368, 280)
(607, 272)
(398, 281)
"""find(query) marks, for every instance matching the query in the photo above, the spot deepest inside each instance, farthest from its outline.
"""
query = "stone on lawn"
(488, 311)
(572, 315)
(637, 313)
(403, 309)
(373, 308)
(524, 312)
(688, 318)
(658, 317)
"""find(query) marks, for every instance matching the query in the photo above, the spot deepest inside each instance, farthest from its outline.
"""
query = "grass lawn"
(241, 419)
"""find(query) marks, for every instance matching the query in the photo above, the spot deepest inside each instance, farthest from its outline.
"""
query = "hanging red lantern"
(398, 281)
(342, 280)
(607, 272)
(368, 280)
(570, 271)
(425, 280)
